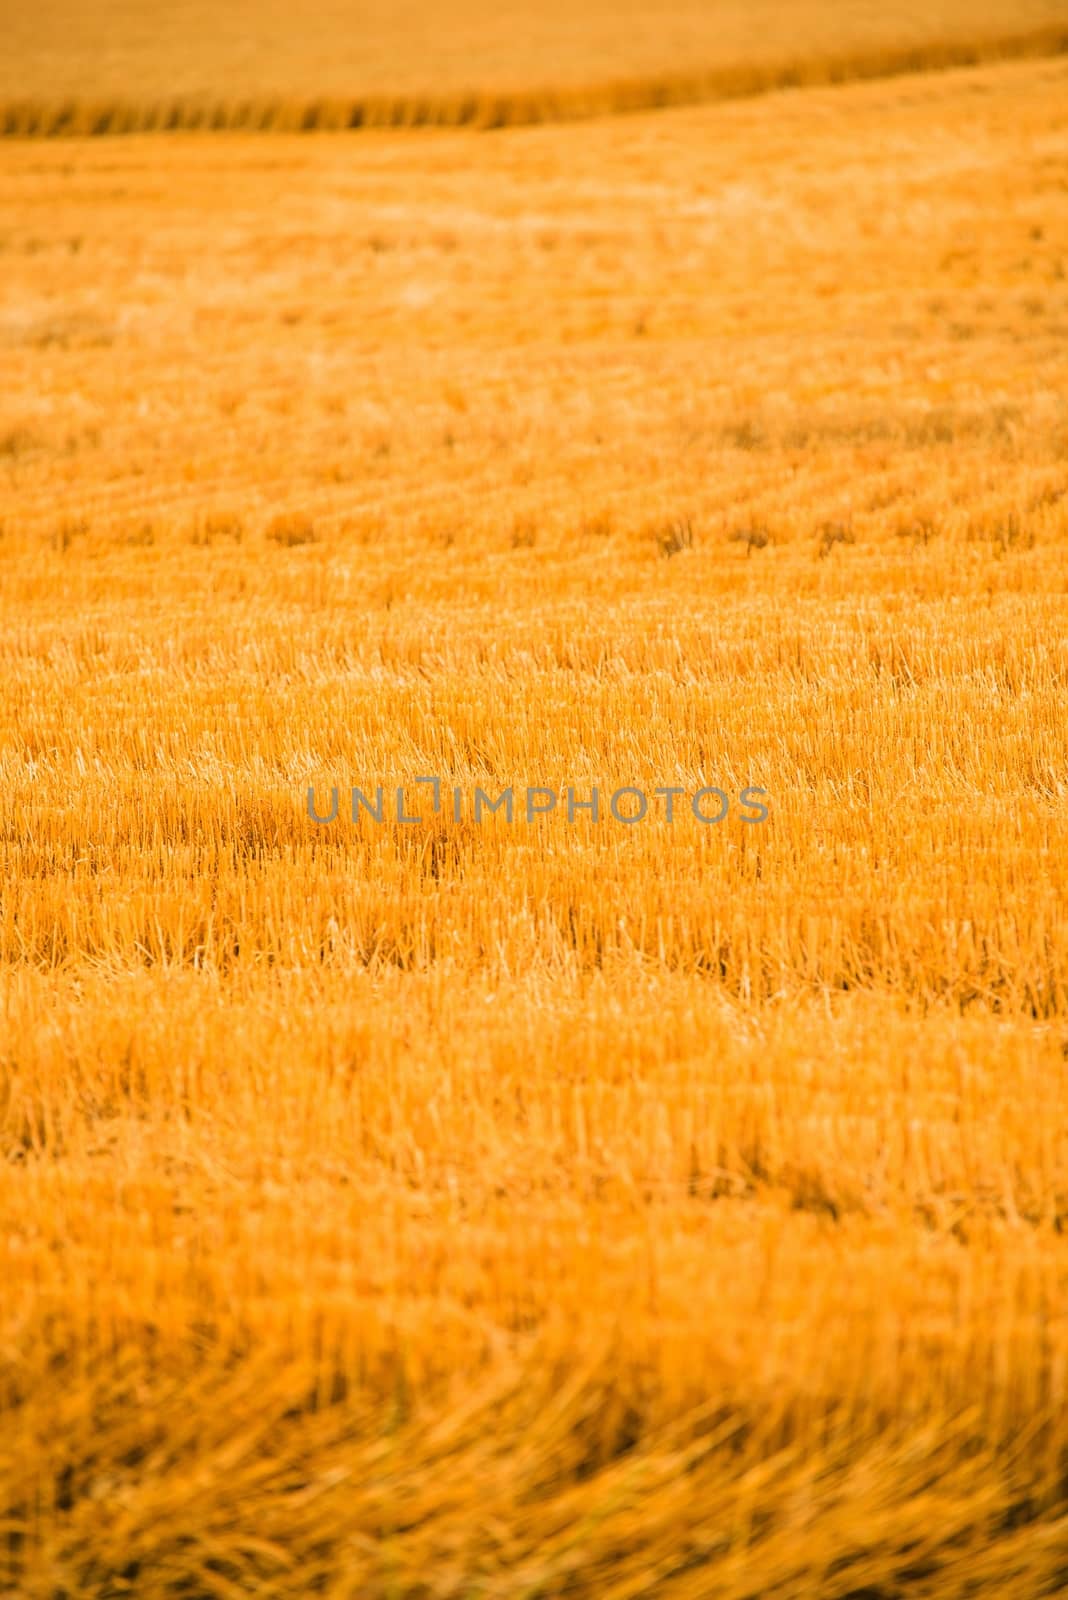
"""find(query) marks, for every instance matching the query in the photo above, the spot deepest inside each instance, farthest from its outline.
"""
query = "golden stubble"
(493, 1210)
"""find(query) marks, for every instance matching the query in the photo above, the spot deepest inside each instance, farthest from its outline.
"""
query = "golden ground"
(565, 1209)
(107, 65)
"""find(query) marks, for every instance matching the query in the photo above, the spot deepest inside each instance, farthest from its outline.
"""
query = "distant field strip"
(78, 99)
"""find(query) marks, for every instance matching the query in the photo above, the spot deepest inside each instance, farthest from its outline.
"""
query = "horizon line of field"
(70, 117)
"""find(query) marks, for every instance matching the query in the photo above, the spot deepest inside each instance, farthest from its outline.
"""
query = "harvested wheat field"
(562, 1207)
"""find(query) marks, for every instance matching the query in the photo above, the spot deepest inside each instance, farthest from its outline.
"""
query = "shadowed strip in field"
(81, 118)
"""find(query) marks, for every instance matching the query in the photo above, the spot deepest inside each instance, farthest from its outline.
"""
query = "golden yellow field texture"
(461, 1210)
(116, 66)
